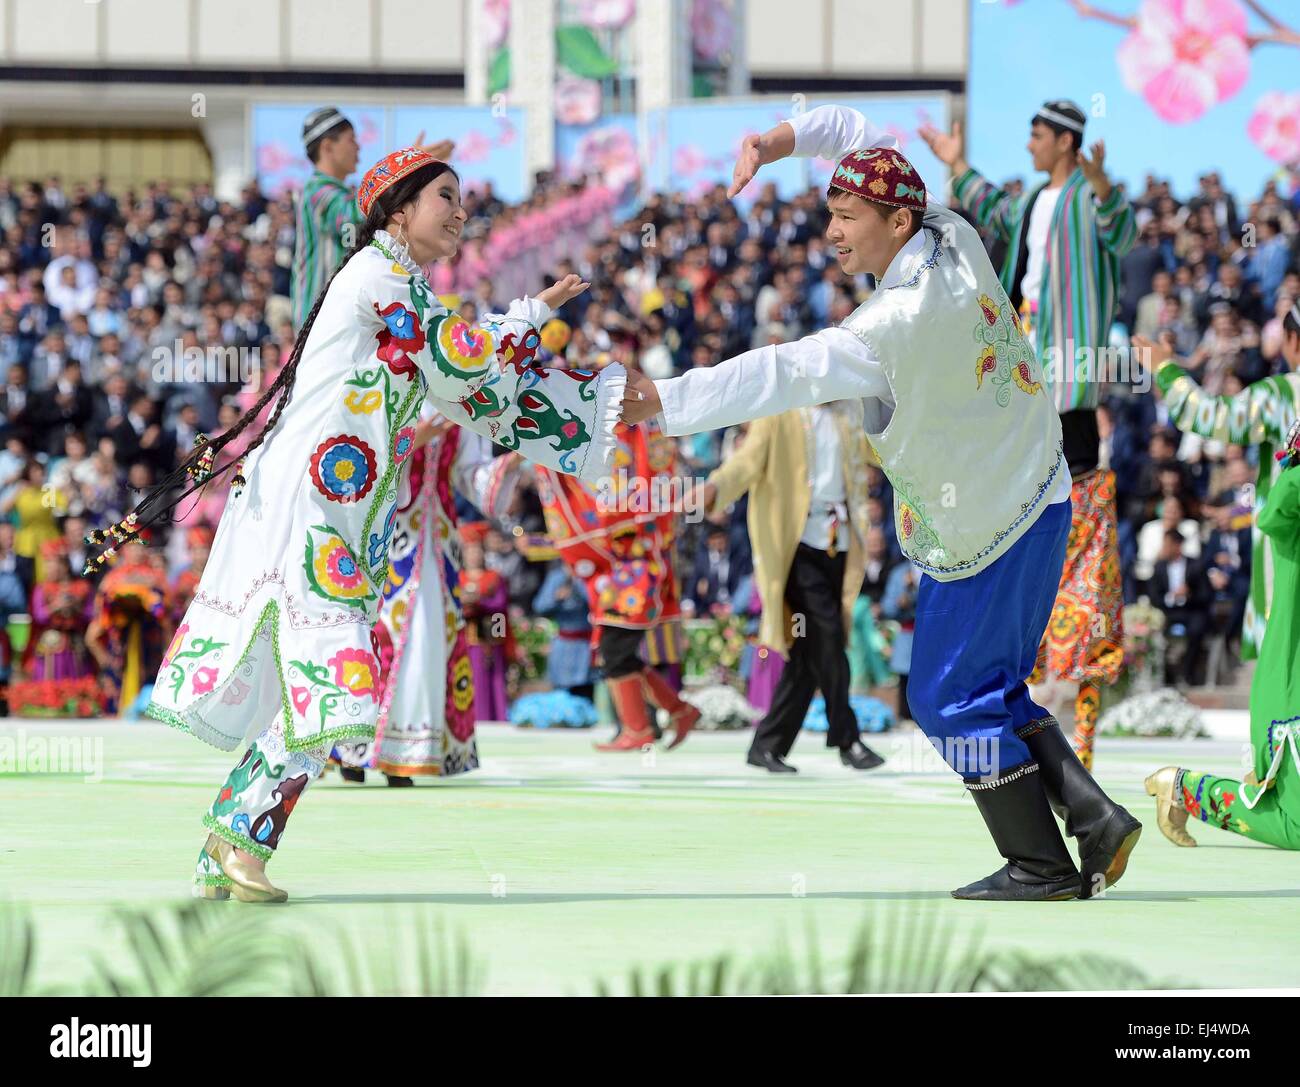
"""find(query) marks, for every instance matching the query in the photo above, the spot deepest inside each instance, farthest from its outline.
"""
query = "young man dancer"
(956, 413)
(1064, 243)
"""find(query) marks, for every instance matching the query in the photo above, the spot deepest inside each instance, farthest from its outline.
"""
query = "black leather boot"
(1105, 832)
(1038, 868)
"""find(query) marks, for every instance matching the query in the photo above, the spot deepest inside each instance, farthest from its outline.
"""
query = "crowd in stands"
(105, 295)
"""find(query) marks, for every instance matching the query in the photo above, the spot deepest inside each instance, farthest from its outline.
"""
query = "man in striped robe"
(1064, 240)
(326, 211)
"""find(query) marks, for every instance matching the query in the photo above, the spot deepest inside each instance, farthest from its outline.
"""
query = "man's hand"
(1153, 354)
(776, 143)
(747, 164)
(640, 399)
(948, 148)
(1094, 170)
(440, 149)
(563, 291)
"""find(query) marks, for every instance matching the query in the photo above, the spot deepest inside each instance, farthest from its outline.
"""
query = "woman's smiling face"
(431, 224)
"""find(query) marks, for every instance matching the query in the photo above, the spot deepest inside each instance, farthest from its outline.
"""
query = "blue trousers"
(975, 645)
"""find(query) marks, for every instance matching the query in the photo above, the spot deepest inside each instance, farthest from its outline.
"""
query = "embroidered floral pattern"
(204, 680)
(1006, 358)
(184, 663)
(364, 403)
(357, 671)
(333, 571)
(463, 350)
(344, 468)
(401, 338)
(403, 444)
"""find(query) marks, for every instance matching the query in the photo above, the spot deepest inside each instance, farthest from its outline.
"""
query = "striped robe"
(323, 209)
(1076, 303)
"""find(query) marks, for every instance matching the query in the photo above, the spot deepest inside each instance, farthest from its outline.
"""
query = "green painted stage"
(561, 868)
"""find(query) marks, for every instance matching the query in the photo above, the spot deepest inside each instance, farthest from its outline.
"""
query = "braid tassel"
(201, 470)
(119, 533)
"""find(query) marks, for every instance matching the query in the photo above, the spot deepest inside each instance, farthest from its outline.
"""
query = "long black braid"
(198, 468)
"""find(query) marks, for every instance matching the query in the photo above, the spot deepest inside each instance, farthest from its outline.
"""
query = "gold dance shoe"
(246, 883)
(1171, 817)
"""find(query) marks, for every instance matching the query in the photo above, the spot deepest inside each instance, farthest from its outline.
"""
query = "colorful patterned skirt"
(1084, 640)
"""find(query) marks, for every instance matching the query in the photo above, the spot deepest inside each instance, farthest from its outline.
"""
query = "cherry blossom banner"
(489, 143)
(1176, 88)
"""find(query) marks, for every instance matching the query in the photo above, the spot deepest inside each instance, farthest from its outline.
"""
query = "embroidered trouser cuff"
(254, 804)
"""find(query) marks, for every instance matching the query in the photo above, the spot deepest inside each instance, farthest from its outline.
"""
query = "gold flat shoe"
(1170, 817)
(246, 884)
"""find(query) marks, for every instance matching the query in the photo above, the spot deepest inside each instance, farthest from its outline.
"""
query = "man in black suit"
(140, 437)
(1180, 587)
(67, 406)
(1228, 554)
(716, 575)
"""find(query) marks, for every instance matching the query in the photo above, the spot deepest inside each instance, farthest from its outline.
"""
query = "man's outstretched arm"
(829, 132)
(830, 365)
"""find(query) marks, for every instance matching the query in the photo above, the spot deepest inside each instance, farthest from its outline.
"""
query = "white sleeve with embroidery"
(829, 365)
(482, 376)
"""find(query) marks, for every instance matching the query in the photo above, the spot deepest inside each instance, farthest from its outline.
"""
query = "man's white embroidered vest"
(973, 449)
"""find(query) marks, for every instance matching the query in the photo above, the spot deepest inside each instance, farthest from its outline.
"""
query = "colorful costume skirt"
(1084, 640)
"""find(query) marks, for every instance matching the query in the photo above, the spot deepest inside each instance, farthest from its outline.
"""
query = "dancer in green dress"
(1266, 805)
(1260, 416)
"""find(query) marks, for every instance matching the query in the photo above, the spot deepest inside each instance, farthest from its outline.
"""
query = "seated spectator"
(1150, 542)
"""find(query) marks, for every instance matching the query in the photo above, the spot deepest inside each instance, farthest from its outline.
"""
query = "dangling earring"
(400, 236)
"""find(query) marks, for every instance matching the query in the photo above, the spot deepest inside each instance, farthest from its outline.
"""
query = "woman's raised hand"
(562, 291)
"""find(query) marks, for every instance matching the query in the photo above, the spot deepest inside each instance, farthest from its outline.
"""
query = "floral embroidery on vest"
(1006, 358)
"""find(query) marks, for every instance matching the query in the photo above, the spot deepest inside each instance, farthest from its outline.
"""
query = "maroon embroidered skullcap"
(883, 175)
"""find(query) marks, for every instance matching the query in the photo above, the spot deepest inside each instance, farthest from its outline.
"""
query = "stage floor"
(563, 867)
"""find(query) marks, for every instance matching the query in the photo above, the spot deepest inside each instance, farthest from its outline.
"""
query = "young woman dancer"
(276, 647)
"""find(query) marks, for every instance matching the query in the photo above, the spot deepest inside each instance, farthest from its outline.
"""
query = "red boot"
(629, 704)
(682, 714)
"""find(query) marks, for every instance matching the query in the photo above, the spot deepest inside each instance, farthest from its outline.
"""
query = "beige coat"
(772, 465)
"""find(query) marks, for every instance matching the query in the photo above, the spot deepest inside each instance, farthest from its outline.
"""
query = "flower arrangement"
(56, 698)
(1154, 713)
(714, 646)
(1144, 648)
(533, 636)
(872, 714)
(552, 709)
(722, 708)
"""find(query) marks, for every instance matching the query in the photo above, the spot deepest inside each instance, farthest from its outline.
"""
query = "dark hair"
(1291, 322)
(313, 148)
(199, 467)
(1076, 138)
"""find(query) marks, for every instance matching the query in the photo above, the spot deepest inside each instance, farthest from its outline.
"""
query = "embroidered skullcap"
(387, 172)
(1062, 113)
(882, 175)
(321, 122)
